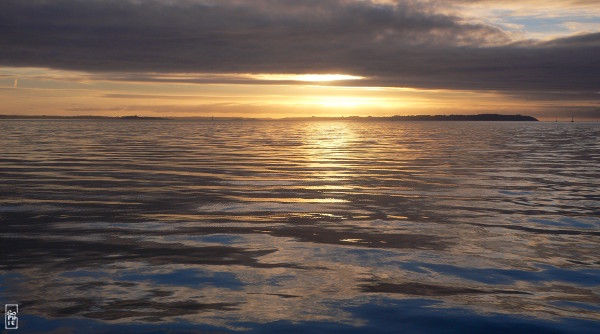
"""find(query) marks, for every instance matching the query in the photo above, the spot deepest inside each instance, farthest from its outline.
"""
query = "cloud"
(399, 44)
(578, 112)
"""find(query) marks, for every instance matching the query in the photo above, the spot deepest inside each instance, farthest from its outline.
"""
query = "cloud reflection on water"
(123, 222)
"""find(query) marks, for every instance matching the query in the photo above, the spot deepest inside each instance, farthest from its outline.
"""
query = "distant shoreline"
(478, 117)
(81, 117)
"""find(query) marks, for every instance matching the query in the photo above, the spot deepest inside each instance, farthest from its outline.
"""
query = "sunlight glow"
(345, 101)
(342, 102)
(305, 77)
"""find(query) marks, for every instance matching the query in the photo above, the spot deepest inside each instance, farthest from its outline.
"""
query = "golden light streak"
(305, 77)
(42, 91)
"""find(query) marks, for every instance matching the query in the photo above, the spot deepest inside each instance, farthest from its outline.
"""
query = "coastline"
(450, 118)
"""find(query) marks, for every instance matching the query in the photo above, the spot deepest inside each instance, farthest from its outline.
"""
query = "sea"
(300, 226)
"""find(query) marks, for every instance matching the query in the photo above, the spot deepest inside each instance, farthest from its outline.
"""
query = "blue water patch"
(515, 193)
(9, 279)
(577, 305)
(34, 324)
(277, 280)
(225, 239)
(381, 316)
(190, 278)
(421, 316)
(483, 275)
(548, 222)
(564, 222)
(584, 276)
(577, 223)
(366, 255)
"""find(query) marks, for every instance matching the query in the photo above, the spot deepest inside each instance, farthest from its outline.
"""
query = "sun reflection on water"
(245, 224)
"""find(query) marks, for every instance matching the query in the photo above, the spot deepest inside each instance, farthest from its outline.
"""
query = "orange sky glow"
(265, 58)
(39, 91)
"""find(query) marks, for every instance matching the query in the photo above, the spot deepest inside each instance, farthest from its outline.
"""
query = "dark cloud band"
(405, 44)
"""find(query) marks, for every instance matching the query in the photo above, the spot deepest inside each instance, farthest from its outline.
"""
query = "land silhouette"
(478, 117)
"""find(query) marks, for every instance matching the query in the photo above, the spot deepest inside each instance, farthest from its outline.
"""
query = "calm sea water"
(300, 226)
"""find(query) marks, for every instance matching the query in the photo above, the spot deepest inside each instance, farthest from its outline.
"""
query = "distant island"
(443, 118)
(134, 117)
(479, 117)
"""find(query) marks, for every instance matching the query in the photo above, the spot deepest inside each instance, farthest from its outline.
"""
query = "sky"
(278, 58)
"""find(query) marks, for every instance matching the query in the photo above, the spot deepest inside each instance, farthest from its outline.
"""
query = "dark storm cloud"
(406, 44)
(579, 113)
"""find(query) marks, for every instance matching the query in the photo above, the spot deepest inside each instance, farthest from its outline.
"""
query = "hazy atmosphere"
(268, 58)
